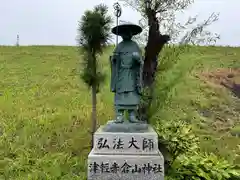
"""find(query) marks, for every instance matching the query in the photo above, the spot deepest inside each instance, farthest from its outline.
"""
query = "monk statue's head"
(127, 36)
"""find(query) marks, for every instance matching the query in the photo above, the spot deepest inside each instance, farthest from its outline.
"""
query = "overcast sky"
(54, 22)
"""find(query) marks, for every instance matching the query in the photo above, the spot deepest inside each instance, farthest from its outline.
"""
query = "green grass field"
(45, 108)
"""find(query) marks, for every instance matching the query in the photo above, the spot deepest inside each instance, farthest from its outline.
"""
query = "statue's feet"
(119, 119)
(133, 119)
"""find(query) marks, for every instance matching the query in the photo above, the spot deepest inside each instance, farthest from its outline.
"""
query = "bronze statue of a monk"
(126, 75)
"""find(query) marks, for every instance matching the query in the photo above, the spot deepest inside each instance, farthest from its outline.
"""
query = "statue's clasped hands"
(136, 55)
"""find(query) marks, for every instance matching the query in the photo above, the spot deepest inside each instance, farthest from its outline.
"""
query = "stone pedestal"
(125, 156)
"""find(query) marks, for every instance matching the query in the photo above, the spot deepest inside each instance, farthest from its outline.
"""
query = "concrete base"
(125, 155)
(125, 167)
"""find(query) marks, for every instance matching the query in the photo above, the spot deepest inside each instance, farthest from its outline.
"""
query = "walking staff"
(118, 13)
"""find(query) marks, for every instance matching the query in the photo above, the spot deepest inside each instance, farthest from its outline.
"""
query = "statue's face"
(127, 36)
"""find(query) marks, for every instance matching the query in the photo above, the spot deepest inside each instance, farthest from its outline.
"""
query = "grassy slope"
(45, 108)
(211, 108)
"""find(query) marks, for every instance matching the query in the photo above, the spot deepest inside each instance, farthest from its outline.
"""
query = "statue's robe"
(126, 80)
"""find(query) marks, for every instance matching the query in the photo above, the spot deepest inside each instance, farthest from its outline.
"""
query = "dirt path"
(229, 78)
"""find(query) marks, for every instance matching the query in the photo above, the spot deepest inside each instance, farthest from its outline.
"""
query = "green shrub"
(178, 138)
(203, 166)
(186, 161)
